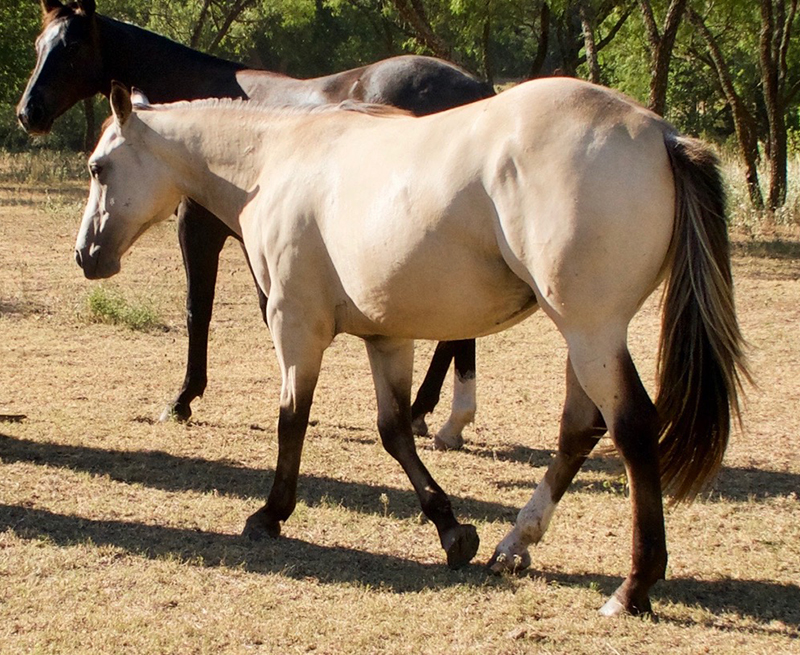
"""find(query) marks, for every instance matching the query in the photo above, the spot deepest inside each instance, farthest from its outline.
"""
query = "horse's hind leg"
(392, 362)
(609, 377)
(462, 412)
(201, 236)
(581, 427)
(431, 387)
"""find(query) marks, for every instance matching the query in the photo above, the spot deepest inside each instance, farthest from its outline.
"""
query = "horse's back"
(422, 85)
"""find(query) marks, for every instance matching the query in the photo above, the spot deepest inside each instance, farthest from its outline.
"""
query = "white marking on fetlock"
(532, 522)
(534, 519)
(462, 413)
(613, 607)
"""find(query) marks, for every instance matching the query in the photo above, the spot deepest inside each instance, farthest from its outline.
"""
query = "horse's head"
(130, 190)
(69, 67)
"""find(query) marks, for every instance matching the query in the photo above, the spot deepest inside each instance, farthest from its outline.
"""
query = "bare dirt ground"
(119, 534)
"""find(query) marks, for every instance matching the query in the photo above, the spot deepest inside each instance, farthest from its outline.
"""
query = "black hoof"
(180, 412)
(461, 543)
(258, 527)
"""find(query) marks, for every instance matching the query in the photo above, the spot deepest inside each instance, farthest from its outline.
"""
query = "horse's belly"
(459, 304)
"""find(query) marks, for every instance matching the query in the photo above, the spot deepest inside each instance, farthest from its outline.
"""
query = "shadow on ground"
(286, 556)
(161, 470)
(761, 600)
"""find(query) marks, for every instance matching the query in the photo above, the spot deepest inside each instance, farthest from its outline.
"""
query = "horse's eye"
(95, 170)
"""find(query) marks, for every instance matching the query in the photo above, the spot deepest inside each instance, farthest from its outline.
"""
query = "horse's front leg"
(392, 361)
(300, 357)
(201, 236)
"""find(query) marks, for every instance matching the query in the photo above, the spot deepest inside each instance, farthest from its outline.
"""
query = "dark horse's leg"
(201, 237)
(431, 388)
(392, 362)
(462, 411)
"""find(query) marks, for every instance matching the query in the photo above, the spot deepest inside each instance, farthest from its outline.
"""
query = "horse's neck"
(216, 162)
(165, 70)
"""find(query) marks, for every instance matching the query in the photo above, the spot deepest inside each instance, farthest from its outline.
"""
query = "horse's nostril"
(78, 258)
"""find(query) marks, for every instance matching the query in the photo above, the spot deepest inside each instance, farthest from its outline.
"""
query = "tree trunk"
(776, 25)
(589, 44)
(233, 13)
(544, 39)
(743, 122)
(198, 28)
(661, 46)
(89, 135)
(413, 13)
(488, 67)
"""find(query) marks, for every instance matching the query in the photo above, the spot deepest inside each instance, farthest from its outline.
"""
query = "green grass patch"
(104, 305)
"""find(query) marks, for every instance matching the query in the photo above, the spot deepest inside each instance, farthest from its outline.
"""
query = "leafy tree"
(747, 46)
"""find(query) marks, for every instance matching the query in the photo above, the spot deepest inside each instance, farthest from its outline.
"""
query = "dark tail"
(701, 362)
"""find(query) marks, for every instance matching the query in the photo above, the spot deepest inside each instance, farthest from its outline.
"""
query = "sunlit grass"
(42, 166)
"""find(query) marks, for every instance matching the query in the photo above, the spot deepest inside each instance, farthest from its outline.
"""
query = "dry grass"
(120, 535)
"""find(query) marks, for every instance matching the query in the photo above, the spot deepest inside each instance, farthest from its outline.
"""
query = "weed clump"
(109, 306)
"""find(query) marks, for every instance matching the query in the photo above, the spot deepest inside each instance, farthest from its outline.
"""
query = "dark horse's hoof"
(461, 543)
(258, 527)
(177, 411)
(623, 602)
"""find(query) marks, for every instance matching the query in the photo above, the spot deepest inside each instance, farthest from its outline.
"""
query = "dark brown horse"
(80, 52)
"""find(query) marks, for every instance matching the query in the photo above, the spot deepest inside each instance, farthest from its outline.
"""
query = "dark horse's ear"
(51, 5)
(88, 7)
(120, 100)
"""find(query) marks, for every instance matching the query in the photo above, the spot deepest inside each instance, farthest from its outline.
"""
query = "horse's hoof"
(441, 442)
(258, 528)
(461, 543)
(616, 607)
(177, 412)
(503, 562)
(419, 427)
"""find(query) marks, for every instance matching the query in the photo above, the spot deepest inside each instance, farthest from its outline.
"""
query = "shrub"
(109, 306)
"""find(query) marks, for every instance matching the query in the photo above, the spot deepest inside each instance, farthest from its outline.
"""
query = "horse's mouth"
(94, 266)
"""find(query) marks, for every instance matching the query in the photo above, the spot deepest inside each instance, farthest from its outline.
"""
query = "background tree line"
(727, 70)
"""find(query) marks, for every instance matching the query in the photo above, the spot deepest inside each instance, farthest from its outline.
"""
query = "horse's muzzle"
(33, 118)
(94, 265)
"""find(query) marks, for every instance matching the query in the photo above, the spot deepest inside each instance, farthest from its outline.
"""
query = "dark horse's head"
(68, 66)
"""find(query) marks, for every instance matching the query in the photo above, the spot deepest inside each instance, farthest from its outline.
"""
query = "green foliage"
(19, 25)
(104, 305)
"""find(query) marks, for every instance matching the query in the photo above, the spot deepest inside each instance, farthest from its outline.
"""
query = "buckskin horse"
(79, 53)
(556, 194)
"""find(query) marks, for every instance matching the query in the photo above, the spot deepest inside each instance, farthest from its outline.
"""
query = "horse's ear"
(138, 98)
(120, 100)
(50, 5)
(88, 7)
